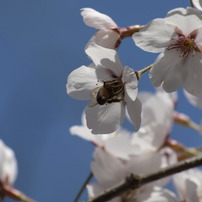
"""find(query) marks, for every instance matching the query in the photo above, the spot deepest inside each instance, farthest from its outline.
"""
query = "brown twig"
(134, 182)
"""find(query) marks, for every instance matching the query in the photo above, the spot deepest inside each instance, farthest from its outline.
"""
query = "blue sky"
(41, 42)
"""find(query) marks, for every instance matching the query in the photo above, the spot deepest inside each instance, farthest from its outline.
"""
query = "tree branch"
(134, 182)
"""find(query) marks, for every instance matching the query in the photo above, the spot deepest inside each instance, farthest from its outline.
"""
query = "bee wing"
(94, 92)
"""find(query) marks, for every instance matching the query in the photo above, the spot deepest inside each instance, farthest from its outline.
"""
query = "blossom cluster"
(112, 92)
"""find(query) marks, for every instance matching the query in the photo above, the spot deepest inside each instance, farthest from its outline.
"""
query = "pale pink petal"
(162, 67)
(96, 19)
(83, 80)
(153, 39)
(107, 169)
(198, 39)
(196, 101)
(183, 19)
(134, 109)
(96, 189)
(145, 163)
(8, 166)
(154, 134)
(106, 39)
(174, 78)
(122, 139)
(104, 57)
(193, 81)
(156, 194)
(130, 80)
(151, 105)
(197, 4)
(191, 191)
(188, 185)
(104, 119)
(85, 133)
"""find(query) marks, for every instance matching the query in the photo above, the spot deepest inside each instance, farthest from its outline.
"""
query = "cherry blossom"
(157, 117)
(179, 41)
(197, 4)
(106, 36)
(106, 111)
(110, 171)
(109, 142)
(8, 164)
(189, 185)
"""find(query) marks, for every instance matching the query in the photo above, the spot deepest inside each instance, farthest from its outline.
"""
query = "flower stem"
(142, 71)
(83, 187)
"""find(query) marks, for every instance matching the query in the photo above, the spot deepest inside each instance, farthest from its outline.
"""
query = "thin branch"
(191, 4)
(134, 182)
(142, 71)
(83, 187)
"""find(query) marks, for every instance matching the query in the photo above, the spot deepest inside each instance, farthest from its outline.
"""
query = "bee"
(108, 93)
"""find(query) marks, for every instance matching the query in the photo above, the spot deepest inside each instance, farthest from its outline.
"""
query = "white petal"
(198, 39)
(107, 169)
(163, 69)
(150, 109)
(122, 140)
(191, 191)
(147, 162)
(8, 166)
(83, 80)
(188, 184)
(106, 39)
(96, 19)
(184, 18)
(193, 81)
(106, 58)
(196, 101)
(130, 80)
(175, 77)
(103, 119)
(134, 109)
(157, 194)
(154, 37)
(197, 4)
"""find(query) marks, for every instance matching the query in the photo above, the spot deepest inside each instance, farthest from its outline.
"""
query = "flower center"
(184, 44)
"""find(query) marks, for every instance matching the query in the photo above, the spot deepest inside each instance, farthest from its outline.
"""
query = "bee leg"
(115, 100)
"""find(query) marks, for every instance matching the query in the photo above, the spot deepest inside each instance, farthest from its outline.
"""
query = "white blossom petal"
(130, 80)
(198, 39)
(96, 19)
(188, 185)
(8, 163)
(196, 101)
(83, 80)
(156, 194)
(96, 189)
(122, 139)
(197, 4)
(107, 169)
(134, 109)
(106, 58)
(106, 39)
(103, 119)
(193, 80)
(184, 18)
(151, 38)
(162, 70)
(145, 163)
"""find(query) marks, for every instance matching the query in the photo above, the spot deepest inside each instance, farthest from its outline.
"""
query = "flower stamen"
(186, 44)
